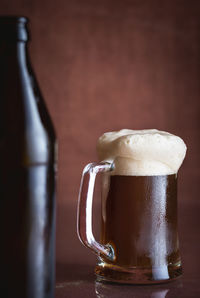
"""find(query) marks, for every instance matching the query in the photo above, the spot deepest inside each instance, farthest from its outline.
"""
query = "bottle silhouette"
(27, 172)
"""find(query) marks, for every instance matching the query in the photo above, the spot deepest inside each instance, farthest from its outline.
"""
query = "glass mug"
(139, 239)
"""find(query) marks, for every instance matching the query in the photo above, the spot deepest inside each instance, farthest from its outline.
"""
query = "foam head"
(142, 152)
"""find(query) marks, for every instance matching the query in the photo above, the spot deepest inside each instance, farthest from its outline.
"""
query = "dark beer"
(139, 238)
(27, 172)
(139, 220)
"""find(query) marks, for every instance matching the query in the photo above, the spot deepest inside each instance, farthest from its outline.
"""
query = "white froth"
(142, 152)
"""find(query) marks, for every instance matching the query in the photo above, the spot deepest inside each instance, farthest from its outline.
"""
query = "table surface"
(78, 280)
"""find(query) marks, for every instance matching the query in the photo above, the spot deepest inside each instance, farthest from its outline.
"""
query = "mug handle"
(84, 218)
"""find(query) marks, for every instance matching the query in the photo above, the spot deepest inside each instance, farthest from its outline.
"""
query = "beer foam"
(145, 152)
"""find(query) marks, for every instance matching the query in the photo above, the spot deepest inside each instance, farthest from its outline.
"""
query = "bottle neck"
(13, 28)
(13, 55)
(22, 52)
(13, 41)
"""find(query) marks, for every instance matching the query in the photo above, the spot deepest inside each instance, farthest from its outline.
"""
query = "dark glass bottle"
(27, 172)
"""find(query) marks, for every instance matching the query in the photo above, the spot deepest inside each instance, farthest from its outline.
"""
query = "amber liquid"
(139, 220)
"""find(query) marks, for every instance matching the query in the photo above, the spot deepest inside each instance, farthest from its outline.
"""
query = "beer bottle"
(27, 172)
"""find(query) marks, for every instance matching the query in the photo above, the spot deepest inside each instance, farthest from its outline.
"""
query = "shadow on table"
(74, 273)
(106, 290)
(76, 279)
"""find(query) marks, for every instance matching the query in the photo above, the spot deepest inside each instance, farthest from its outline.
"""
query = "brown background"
(105, 65)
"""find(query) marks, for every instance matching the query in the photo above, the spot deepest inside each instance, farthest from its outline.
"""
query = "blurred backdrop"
(104, 65)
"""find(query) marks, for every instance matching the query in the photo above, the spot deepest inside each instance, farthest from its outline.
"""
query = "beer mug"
(139, 239)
